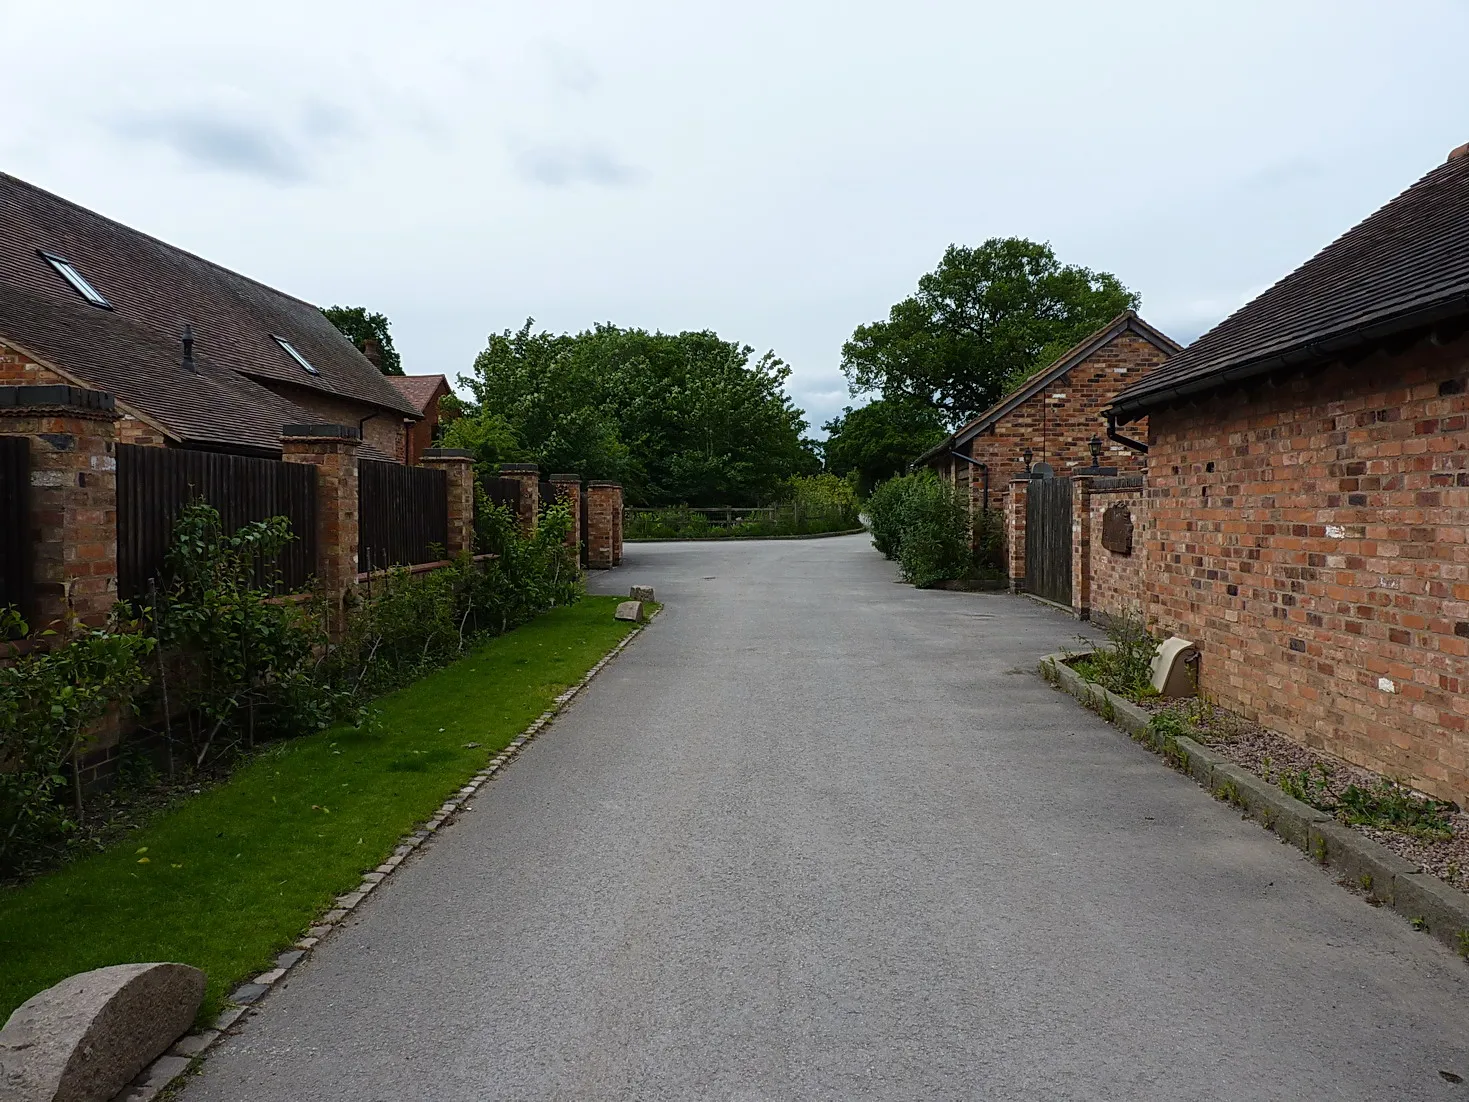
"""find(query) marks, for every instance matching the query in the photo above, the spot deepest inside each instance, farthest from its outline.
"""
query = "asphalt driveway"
(820, 835)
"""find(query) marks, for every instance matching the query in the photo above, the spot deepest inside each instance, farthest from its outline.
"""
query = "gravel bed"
(1268, 754)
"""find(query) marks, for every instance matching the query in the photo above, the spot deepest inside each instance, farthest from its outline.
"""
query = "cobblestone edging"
(1421, 897)
(167, 1068)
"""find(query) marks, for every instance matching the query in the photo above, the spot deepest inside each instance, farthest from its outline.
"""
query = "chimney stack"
(373, 352)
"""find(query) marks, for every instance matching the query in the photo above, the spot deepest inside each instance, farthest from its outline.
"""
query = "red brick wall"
(17, 369)
(1311, 537)
(1117, 584)
(385, 431)
(1058, 423)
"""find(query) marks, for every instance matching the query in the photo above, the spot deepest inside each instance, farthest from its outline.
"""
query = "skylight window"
(76, 279)
(300, 359)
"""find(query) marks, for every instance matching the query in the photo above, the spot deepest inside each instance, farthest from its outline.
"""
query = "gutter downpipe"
(984, 470)
(1125, 441)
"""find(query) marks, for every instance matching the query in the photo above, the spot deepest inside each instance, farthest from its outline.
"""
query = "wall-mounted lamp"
(1096, 446)
(1025, 455)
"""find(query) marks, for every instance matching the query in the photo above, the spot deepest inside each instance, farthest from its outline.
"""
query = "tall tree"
(360, 326)
(880, 439)
(979, 324)
(684, 417)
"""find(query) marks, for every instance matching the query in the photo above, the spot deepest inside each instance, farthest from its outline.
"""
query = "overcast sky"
(778, 172)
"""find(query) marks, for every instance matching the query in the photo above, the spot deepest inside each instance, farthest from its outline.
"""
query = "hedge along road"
(820, 835)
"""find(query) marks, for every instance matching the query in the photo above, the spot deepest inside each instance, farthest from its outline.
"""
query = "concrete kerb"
(1386, 878)
(188, 1050)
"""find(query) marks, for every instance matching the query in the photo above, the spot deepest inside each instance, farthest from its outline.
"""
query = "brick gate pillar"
(568, 490)
(1081, 546)
(602, 499)
(529, 477)
(332, 450)
(617, 526)
(458, 465)
(73, 499)
(1015, 532)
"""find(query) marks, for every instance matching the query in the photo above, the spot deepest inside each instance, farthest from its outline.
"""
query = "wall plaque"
(1117, 530)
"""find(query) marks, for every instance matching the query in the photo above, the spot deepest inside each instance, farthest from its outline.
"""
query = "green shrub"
(50, 701)
(925, 524)
(1125, 665)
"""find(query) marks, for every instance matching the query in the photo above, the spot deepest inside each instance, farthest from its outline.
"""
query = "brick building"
(1307, 508)
(196, 356)
(423, 392)
(1056, 413)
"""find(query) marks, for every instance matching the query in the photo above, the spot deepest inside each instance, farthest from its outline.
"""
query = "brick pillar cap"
(565, 478)
(56, 395)
(448, 453)
(519, 468)
(606, 485)
(321, 430)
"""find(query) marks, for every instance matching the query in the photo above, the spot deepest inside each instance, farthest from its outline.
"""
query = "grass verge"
(231, 878)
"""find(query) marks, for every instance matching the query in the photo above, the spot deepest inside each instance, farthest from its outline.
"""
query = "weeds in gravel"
(1125, 665)
(1390, 806)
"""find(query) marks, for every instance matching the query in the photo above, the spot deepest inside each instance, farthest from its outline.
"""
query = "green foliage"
(1383, 804)
(821, 492)
(242, 663)
(358, 325)
(236, 874)
(982, 321)
(880, 439)
(50, 702)
(681, 417)
(488, 437)
(682, 522)
(923, 522)
(236, 666)
(1125, 665)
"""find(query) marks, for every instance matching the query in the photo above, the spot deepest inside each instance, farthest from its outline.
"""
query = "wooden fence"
(16, 580)
(503, 491)
(402, 515)
(154, 484)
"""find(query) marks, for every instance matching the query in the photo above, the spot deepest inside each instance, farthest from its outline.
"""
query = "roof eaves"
(1135, 401)
(79, 381)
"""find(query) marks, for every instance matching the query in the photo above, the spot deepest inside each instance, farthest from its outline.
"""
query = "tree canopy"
(677, 418)
(979, 325)
(879, 440)
(360, 326)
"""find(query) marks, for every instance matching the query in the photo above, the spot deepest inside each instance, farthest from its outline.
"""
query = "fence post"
(568, 489)
(73, 498)
(1015, 532)
(332, 450)
(1081, 546)
(529, 477)
(603, 499)
(458, 467)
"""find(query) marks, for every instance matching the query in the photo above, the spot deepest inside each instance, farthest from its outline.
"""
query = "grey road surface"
(818, 835)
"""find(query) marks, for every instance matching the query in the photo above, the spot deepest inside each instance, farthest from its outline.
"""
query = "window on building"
(79, 283)
(291, 351)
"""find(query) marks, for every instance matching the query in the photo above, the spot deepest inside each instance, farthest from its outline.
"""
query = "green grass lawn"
(229, 879)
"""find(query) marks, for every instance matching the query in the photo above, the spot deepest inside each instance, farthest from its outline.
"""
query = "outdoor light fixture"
(1096, 446)
(1025, 455)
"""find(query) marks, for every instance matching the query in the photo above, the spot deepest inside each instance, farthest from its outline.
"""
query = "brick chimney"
(373, 352)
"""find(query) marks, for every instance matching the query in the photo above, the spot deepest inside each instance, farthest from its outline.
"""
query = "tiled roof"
(1127, 321)
(420, 390)
(1404, 267)
(134, 349)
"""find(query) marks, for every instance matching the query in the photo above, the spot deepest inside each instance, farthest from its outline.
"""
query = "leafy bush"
(236, 665)
(50, 701)
(1125, 665)
(924, 523)
(786, 520)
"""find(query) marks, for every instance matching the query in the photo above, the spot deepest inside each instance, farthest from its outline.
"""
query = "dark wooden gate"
(503, 491)
(1048, 539)
(15, 524)
(153, 484)
(585, 547)
(402, 514)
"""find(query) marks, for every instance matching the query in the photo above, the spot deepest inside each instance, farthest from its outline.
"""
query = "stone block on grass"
(632, 611)
(89, 1036)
